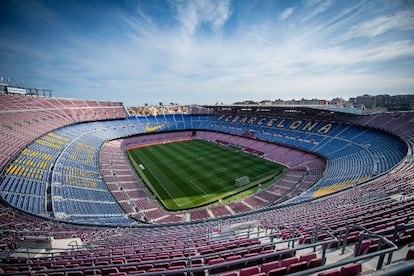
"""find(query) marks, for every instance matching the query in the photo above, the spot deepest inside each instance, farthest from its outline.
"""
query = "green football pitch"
(193, 173)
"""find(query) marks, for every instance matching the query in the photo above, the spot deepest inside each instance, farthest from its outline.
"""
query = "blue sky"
(203, 51)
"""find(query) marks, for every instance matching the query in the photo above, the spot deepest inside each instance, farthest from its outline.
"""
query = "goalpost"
(243, 180)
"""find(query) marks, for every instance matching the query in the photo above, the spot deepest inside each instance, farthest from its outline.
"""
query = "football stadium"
(88, 189)
(206, 138)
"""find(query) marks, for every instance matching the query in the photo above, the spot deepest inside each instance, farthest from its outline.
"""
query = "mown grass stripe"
(200, 167)
(193, 173)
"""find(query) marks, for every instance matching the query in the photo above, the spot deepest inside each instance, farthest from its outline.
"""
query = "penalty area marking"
(195, 180)
(207, 176)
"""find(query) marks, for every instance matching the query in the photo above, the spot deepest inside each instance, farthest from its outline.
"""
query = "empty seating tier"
(72, 165)
(75, 171)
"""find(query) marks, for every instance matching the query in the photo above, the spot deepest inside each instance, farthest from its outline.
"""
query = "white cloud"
(285, 14)
(257, 60)
(192, 14)
(403, 20)
(311, 3)
(338, 56)
(316, 7)
(161, 66)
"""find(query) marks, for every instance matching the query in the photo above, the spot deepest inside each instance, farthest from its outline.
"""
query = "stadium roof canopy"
(316, 110)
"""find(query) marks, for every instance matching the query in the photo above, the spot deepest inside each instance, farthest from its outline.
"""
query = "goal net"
(243, 180)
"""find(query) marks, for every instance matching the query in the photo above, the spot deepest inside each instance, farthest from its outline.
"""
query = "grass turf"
(194, 173)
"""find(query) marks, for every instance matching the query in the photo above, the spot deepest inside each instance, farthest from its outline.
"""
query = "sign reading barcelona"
(302, 125)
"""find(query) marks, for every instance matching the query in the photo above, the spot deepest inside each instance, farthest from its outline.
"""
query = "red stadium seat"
(277, 271)
(332, 272)
(231, 273)
(296, 267)
(266, 267)
(249, 271)
(351, 269)
(410, 254)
